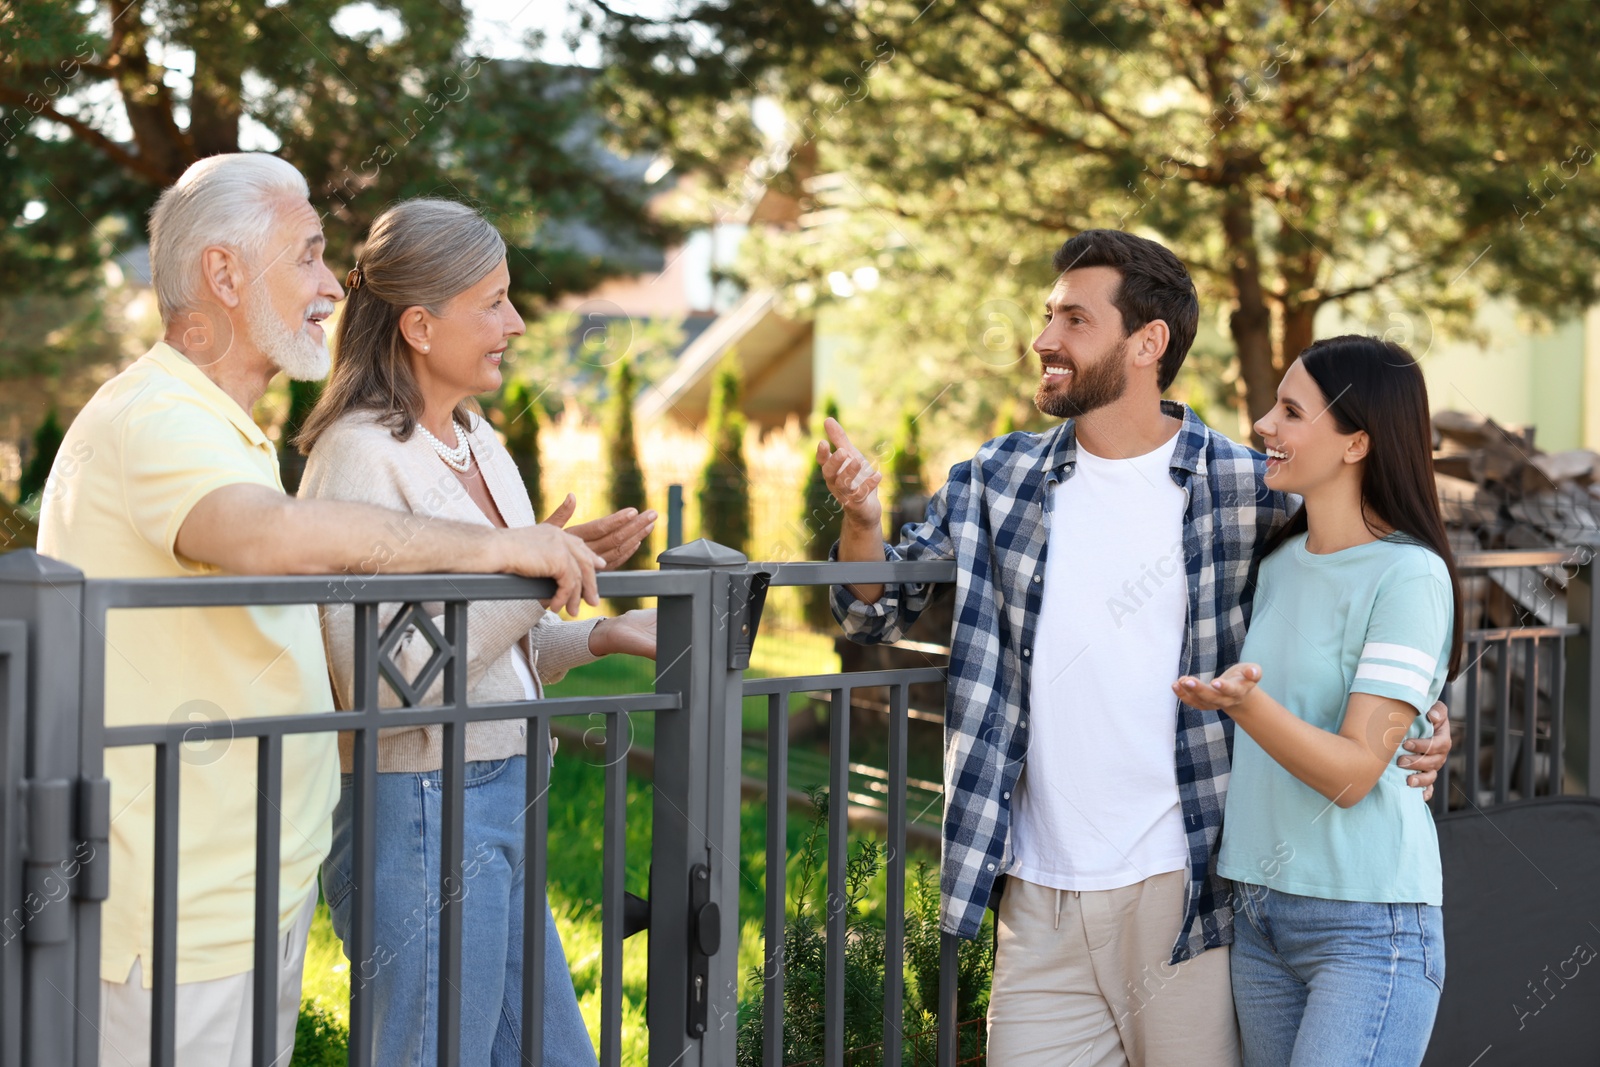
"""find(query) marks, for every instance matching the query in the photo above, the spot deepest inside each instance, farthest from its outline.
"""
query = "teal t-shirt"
(1376, 619)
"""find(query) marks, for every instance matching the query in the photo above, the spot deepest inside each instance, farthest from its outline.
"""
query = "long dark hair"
(420, 252)
(1376, 386)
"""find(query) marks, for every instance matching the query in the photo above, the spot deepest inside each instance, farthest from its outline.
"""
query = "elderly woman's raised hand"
(544, 551)
(615, 538)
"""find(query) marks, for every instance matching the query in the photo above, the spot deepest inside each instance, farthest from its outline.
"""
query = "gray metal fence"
(1530, 680)
(55, 815)
(1524, 706)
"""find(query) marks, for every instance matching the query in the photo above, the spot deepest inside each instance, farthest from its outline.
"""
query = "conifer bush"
(724, 494)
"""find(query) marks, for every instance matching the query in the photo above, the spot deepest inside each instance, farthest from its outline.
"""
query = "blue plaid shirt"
(991, 517)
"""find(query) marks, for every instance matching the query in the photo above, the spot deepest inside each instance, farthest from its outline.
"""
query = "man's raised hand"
(851, 479)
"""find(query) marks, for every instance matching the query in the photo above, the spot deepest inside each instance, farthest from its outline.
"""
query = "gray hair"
(227, 200)
(420, 252)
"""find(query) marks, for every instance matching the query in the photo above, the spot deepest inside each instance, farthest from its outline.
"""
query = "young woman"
(1338, 955)
(426, 323)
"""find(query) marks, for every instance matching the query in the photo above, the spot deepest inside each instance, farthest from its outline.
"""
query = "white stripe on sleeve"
(1401, 676)
(1401, 654)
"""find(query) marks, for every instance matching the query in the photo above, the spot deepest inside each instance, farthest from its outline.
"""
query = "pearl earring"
(427, 348)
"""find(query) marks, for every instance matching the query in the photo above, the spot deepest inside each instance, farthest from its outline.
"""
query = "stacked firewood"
(1500, 491)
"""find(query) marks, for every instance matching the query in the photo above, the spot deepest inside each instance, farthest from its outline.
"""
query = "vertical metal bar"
(614, 860)
(704, 800)
(48, 596)
(13, 739)
(1583, 695)
(838, 890)
(361, 947)
(774, 939)
(1502, 721)
(949, 1025)
(1558, 715)
(674, 515)
(264, 993)
(1530, 714)
(683, 658)
(536, 868)
(452, 829)
(164, 964)
(1473, 776)
(94, 828)
(895, 908)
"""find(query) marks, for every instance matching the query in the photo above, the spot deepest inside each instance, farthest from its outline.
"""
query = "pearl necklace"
(459, 458)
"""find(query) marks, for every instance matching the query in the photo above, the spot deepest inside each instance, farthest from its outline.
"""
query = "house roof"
(774, 354)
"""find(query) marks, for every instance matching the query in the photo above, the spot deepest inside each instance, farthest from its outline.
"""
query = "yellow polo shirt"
(151, 443)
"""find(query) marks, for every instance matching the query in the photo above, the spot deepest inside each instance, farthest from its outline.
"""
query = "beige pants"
(213, 1018)
(1083, 980)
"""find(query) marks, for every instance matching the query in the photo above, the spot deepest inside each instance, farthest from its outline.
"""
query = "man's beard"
(295, 352)
(1100, 383)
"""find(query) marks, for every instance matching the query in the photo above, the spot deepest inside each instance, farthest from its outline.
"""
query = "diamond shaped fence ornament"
(411, 617)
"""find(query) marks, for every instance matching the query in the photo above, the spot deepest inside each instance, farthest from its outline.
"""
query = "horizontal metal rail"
(316, 722)
(817, 683)
(889, 572)
(350, 589)
(1516, 557)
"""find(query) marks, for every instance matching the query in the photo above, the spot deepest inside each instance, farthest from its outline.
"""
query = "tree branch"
(1032, 123)
(87, 134)
(1089, 103)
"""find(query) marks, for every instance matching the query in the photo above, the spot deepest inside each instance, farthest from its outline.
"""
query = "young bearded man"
(1097, 562)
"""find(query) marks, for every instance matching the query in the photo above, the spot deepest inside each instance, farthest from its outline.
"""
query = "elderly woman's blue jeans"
(1334, 983)
(403, 969)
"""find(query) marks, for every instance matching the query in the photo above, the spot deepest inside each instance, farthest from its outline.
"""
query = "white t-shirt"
(1097, 805)
(519, 663)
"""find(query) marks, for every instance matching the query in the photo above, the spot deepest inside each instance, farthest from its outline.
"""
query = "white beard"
(295, 352)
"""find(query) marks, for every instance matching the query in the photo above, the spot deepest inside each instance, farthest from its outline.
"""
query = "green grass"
(577, 793)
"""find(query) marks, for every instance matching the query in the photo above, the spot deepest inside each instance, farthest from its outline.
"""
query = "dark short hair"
(1155, 285)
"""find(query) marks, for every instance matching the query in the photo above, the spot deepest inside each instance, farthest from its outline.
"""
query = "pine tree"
(46, 443)
(517, 416)
(820, 520)
(725, 482)
(902, 480)
(624, 475)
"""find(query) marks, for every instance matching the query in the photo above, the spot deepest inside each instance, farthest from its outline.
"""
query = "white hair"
(228, 200)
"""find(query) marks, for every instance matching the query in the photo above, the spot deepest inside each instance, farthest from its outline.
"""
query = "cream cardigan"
(358, 459)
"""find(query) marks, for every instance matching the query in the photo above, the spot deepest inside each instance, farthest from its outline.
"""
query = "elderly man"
(182, 482)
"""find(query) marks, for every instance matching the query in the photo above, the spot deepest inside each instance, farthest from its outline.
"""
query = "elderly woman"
(427, 322)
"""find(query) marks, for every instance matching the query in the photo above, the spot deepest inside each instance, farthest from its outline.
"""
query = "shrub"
(320, 1038)
(46, 443)
(517, 416)
(303, 397)
(725, 481)
(804, 957)
(820, 520)
(624, 475)
(902, 478)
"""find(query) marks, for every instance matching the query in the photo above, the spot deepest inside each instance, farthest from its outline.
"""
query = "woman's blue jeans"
(1334, 983)
(403, 970)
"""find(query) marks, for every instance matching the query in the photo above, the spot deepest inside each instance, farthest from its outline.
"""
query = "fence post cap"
(702, 553)
(25, 566)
